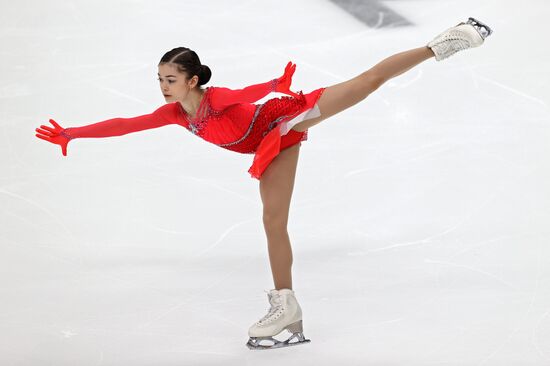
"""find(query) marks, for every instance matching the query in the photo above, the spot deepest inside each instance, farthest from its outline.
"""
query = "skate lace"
(455, 36)
(275, 307)
(457, 44)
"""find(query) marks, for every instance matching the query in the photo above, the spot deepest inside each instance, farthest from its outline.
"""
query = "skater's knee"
(371, 80)
(362, 86)
(275, 221)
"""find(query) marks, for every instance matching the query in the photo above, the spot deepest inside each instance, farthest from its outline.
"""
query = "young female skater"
(273, 132)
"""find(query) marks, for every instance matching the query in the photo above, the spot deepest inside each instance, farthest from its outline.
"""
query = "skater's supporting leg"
(276, 186)
(339, 97)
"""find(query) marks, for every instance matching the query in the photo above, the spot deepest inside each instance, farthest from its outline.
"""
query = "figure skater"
(273, 132)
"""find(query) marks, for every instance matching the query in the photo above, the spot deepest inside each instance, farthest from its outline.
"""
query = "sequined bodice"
(239, 126)
(222, 127)
(204, 113)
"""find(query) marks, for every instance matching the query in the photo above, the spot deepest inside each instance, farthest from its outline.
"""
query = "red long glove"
(224, 97)
(54, 135)
(167, 114)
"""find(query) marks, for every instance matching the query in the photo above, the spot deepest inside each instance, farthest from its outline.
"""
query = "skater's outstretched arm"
(225, 97)
(167, 114)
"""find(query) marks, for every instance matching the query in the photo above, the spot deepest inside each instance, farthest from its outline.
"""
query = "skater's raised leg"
(339, 97)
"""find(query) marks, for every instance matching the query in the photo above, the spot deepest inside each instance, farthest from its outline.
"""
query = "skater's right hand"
(53, 135)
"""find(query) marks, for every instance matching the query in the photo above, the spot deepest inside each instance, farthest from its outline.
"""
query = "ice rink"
(419, 221)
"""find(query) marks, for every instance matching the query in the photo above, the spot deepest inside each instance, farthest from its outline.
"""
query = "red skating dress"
(229, 119)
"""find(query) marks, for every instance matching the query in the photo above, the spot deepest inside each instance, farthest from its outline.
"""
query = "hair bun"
(205, 74)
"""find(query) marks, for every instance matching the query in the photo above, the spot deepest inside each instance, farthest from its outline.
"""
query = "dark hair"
(187, 61)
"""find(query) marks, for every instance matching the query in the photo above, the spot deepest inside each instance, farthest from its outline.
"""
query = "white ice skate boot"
(284, 313)
(460, 37)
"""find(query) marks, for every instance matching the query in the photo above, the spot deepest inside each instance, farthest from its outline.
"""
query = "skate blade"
(485, 30)
(254, 342)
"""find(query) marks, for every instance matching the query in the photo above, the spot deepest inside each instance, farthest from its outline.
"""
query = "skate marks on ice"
(373, 13)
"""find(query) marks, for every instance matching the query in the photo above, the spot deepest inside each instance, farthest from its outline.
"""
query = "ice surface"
(419, 219)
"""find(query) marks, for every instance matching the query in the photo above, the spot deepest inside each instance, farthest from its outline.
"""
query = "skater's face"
(175, 85)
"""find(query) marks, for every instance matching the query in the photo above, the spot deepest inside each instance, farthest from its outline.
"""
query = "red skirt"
(271, 131)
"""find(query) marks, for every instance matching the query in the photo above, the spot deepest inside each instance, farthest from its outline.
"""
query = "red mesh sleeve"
(167, 114)
(224, 97)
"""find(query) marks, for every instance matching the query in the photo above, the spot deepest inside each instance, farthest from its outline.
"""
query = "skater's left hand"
(283, 83)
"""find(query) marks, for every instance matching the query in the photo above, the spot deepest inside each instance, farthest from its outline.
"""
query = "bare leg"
(339, 97)
(276, 186)
(400, 62)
